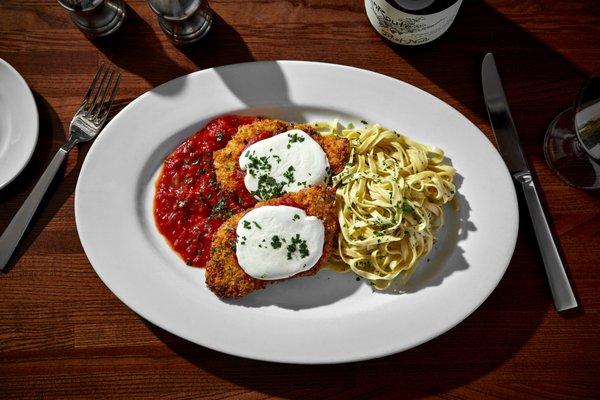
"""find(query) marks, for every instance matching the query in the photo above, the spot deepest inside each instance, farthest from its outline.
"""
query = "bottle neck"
(414, 5)
(421, 7)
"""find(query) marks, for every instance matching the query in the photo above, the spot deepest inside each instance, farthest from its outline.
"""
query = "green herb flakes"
(407, 207)
(276, 242)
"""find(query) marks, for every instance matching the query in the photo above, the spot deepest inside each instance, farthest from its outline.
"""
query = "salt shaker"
(95, 18)
(183, 21)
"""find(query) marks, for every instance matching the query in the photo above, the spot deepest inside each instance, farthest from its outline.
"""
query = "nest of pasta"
(389, 202)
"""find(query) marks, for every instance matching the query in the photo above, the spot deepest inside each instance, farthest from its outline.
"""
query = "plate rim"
(27, 93)
(391, 349)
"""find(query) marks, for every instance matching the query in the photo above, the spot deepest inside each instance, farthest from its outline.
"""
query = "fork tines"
(100, 96)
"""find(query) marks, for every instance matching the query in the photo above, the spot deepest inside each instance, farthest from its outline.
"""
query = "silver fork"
(85, 126)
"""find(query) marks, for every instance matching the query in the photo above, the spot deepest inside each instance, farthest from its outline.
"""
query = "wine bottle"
(411, 22)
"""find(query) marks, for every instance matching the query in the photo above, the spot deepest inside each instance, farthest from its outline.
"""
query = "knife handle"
(562, 294)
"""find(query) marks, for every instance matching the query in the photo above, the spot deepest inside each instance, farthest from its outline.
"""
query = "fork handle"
(14, 231)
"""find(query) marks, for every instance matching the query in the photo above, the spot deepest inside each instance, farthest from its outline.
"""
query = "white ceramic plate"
(18, 123)
(328, 318)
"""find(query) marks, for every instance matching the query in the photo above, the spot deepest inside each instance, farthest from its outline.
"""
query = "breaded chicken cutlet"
(226, 160)
(226, 278)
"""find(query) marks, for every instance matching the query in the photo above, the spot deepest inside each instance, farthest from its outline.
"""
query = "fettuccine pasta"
(389, 202)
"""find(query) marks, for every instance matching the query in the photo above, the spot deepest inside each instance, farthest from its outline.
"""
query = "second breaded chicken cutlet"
(226, 278)
(226, 160)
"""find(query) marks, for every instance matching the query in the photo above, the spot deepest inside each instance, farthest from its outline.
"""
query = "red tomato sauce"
(189, 206)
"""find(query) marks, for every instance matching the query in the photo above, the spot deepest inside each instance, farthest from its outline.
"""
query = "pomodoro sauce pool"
(189, 206)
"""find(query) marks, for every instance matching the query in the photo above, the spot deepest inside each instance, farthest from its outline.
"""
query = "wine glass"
(572, 142)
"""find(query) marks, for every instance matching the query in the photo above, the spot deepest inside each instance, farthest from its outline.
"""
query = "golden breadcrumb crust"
(226, 278)
(226, 160)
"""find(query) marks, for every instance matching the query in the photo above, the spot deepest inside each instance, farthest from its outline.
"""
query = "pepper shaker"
(95, 18)
(183, 21)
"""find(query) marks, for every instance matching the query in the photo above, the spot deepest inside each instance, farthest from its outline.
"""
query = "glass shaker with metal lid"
(183, 21)
(95, 18)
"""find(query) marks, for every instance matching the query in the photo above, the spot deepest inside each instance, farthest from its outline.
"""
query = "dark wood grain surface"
(63, 334)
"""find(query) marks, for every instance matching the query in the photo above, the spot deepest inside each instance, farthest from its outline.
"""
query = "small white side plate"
(18, 123)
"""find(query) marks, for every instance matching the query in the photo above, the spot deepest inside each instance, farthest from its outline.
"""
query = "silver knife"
(510, 148)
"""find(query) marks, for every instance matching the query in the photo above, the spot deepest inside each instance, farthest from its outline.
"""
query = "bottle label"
(409, 29)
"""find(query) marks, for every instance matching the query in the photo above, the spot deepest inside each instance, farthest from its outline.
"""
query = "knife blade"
(510, 148)
(501, 119)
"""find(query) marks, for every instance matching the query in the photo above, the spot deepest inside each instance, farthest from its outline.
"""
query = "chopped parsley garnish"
(220, 136)
(364, 122)
(303, 249)
(257, 225)
(297, 245)
(257, 164)
(277, 158)
(247, 225)
(296, 217)
(220, 208)
(384, 224)
(268, 188)
(289, 174)
(407, 207)
(275, 242)
(294, 138)
(327, 175)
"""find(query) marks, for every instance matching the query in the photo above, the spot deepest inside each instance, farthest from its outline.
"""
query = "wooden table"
(64, 334)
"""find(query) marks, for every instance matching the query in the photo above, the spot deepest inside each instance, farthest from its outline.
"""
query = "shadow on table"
(51, 136)
(479, 345)
(527, 66)
(138, 49)
(539, 82)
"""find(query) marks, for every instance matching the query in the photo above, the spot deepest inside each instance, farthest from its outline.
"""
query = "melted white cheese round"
(276, 242)
(287, 162)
